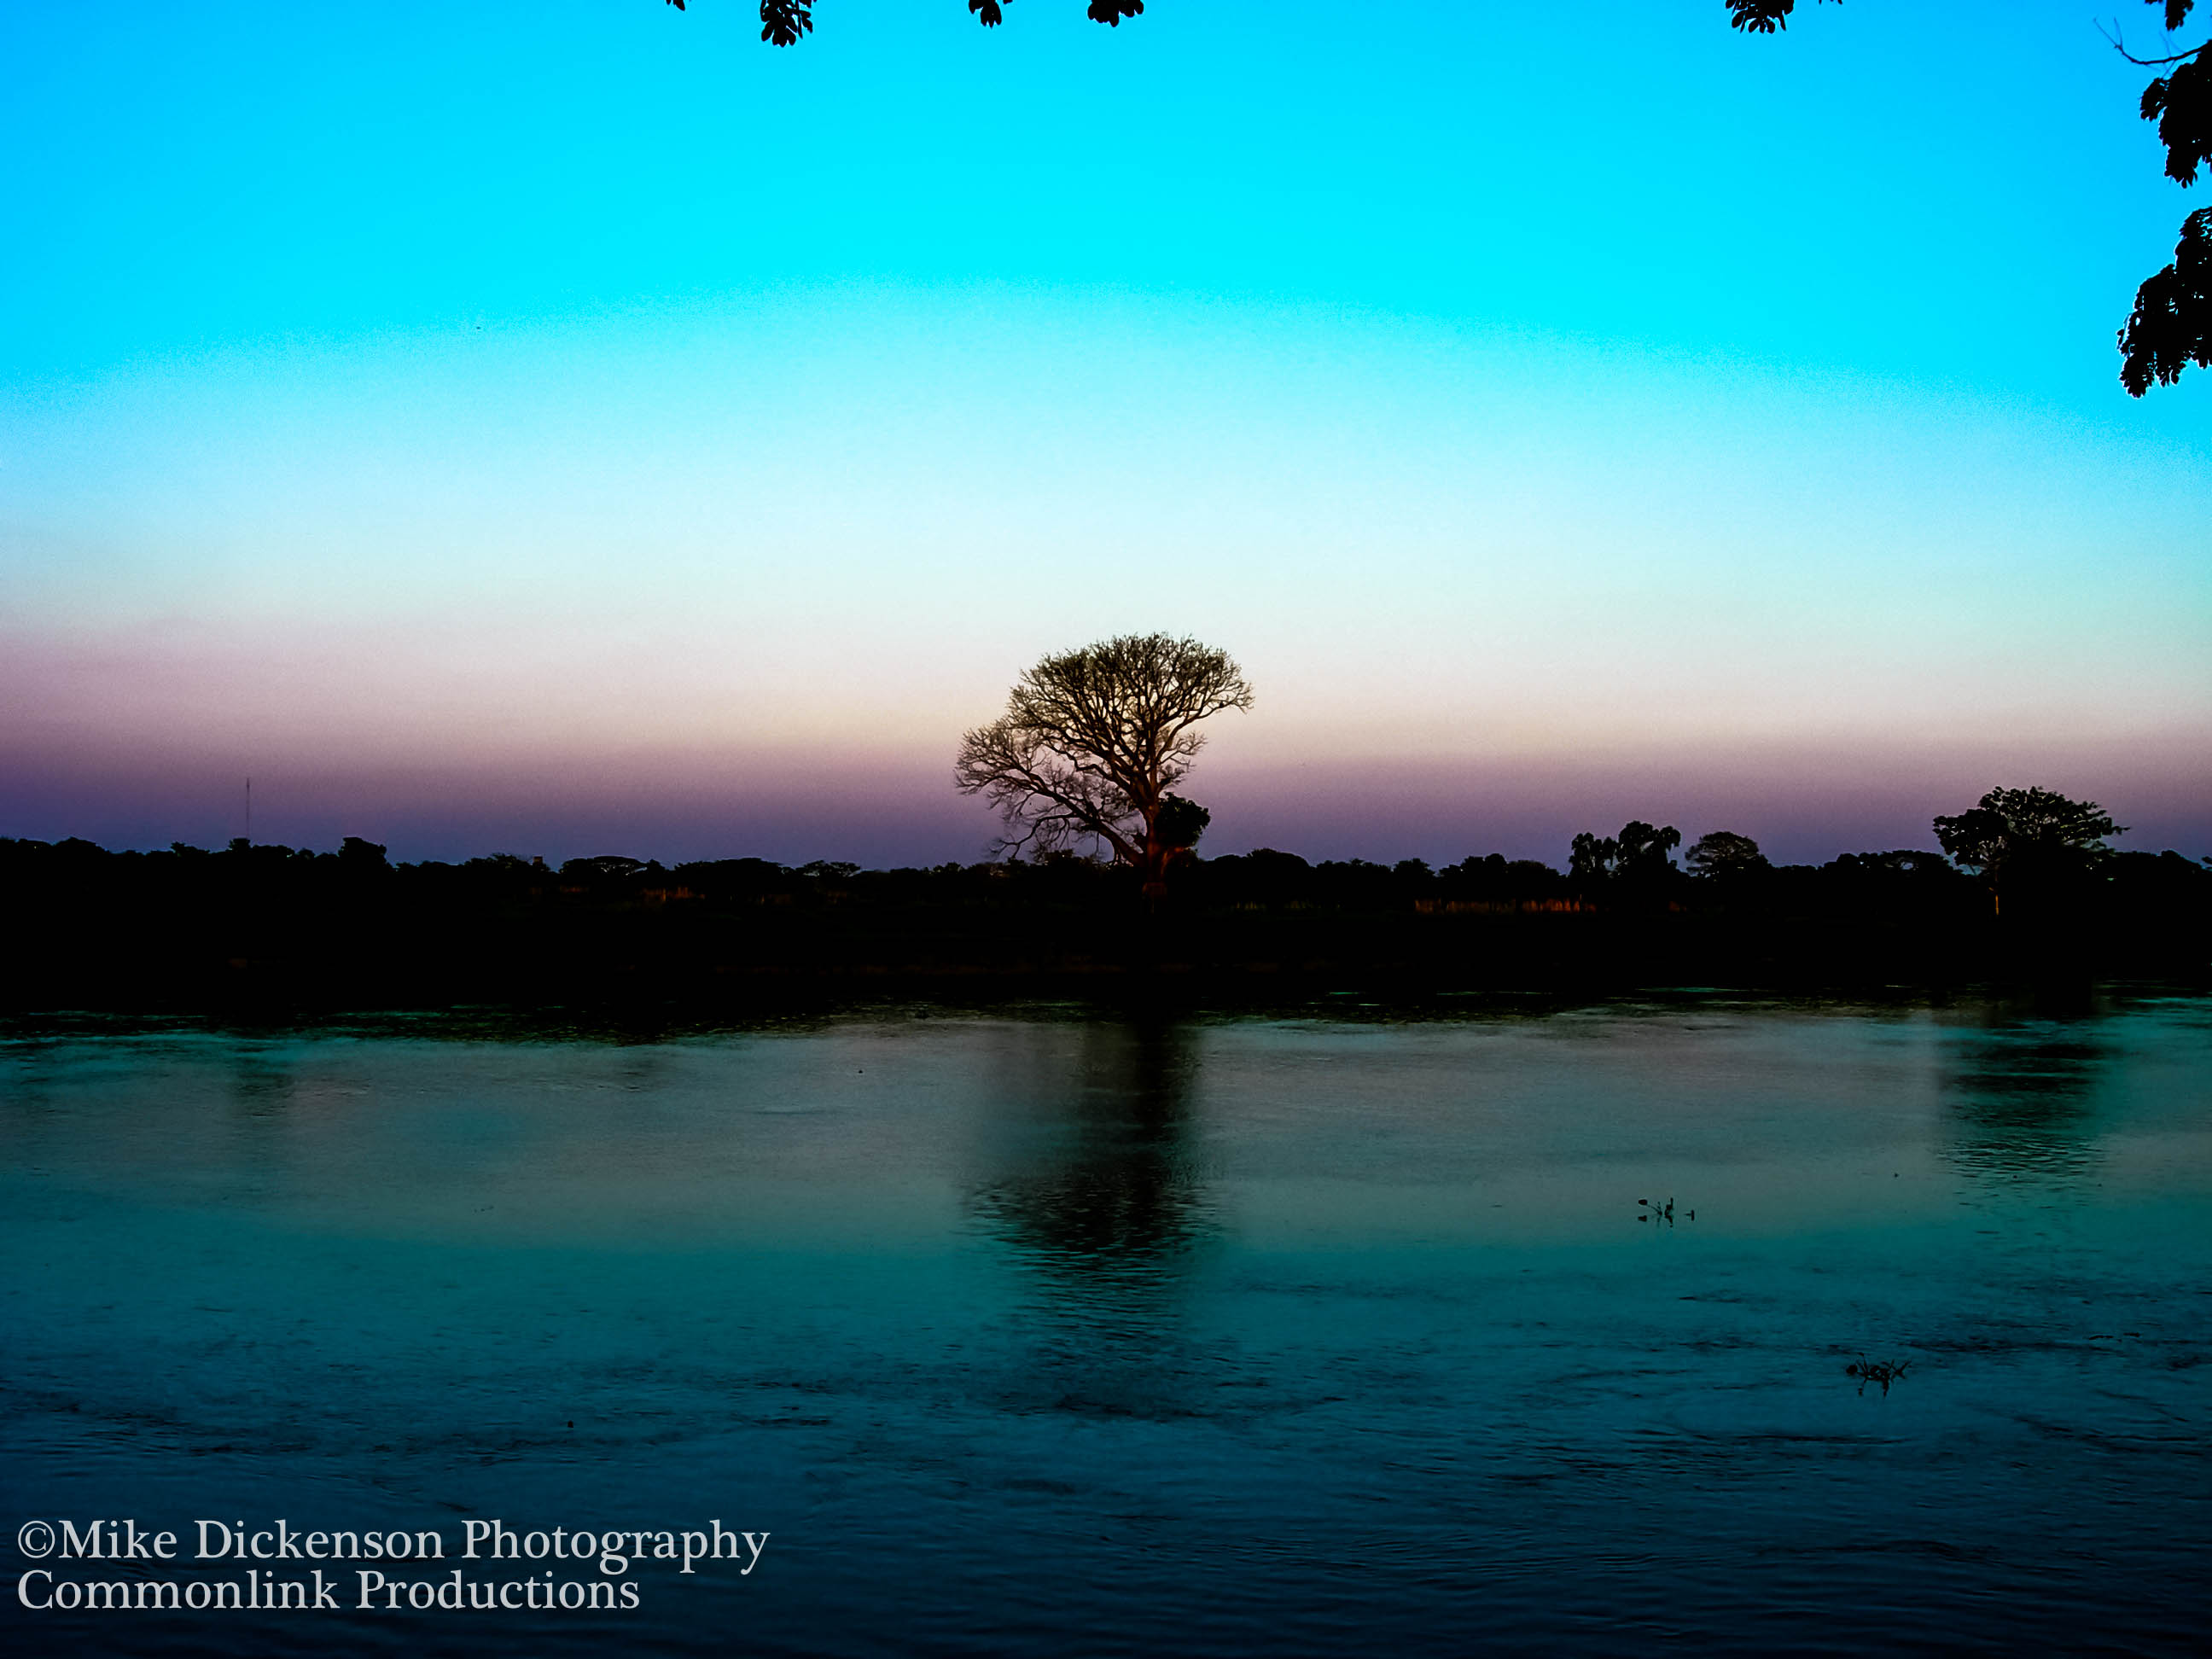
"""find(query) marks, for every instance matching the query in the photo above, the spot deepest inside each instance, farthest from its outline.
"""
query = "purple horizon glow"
(903, 811)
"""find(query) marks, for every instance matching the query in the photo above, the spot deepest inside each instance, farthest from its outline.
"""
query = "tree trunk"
(1154, 869)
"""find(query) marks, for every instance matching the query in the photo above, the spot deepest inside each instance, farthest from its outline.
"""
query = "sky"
(577, 427)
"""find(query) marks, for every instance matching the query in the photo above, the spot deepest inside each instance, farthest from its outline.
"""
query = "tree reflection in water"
(1101, 1187)
(1094, 1184)
(261, 1084)
(2023, 1099)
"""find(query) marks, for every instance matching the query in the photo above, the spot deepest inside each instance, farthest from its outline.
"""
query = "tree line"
(1989, 853)
(1098, 871)
(275, 927)
(1096, 742)
(276, 930)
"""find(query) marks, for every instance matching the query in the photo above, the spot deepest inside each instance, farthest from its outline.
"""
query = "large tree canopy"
(2169, 329)
(2028, 837)
(1722, 853)
(1639, 857)
(1093, 741)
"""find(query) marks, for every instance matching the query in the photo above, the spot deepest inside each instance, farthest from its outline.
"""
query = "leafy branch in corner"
(2171, 327)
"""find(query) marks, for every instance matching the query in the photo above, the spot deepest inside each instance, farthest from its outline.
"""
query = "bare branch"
(2112, 38)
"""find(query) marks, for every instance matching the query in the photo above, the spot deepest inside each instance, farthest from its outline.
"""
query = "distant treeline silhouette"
(286, 928)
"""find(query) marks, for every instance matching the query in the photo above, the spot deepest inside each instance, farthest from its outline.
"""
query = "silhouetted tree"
(1492, 878)
(1258, 877)
(2018, 838)
(1723, 852)
(1645, 850)
(1590, 859)
(2008, 823)
(1180, 822)
(1093, 740)
(1635, 860)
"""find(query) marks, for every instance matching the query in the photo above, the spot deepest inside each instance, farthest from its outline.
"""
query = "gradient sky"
(575, 427)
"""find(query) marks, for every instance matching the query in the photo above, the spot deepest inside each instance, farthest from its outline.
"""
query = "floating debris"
(1883, 1371)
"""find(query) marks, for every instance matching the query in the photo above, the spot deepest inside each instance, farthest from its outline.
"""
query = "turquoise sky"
(579, 427)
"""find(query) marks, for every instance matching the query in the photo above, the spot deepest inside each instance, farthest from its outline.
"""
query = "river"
(1050, 1331)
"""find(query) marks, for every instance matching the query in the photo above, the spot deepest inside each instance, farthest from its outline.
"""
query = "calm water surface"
(1054, 1335)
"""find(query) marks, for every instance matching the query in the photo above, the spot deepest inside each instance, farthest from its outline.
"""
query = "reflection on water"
(1103, 1185)
(2023, 1099)
(261, 1082)
(1046, 1335)
(1093, 1185)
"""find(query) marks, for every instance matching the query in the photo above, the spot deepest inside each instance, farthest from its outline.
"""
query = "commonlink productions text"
(126, 1566)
